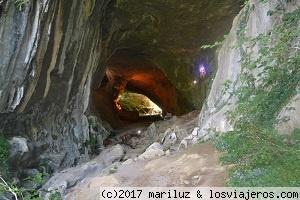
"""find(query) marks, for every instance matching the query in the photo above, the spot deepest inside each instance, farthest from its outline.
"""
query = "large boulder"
(66, 180)
(154, 150)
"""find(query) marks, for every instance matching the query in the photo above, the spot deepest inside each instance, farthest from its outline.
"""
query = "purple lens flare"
(202, 71)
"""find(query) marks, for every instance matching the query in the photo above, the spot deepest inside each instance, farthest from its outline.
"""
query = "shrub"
(261, 156)
(4, 153)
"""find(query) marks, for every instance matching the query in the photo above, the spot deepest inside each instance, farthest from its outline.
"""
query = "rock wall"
(212, 118)
(52, 55)
(291, 112)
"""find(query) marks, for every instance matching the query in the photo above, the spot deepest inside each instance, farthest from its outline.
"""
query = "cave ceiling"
(156, 49)
(180, 26)
(170, 34)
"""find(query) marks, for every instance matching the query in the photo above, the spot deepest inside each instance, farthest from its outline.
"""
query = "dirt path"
(198, 166)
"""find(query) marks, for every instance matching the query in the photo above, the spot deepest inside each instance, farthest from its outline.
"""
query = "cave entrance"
(135, 102)
(126, 72)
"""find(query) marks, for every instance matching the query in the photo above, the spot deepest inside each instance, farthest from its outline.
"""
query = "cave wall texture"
(54, 56)
(171, 33)
(165, 36)
(212, 117)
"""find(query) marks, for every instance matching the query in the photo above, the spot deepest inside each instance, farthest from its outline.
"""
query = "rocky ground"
(143, 155)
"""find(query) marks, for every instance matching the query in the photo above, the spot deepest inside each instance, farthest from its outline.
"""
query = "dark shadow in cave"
(134, 72)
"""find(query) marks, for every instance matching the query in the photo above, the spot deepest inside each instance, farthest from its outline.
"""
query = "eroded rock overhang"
(170, 34)
(157, 52)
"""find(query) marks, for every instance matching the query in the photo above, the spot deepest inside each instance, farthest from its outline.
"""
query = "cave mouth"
(137, 74)
(131, 101)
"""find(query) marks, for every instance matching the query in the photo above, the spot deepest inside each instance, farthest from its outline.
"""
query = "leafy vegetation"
(216, 44)
(20, 3)
(7, 188)
(31, 193)
(129, 101)
(4, 153)
(10, 187)
(135, 102)
(270, 78)
(113, 170)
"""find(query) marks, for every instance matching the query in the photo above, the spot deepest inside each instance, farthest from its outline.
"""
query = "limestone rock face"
(212, 117)
(50, 53)
(152, 151)
(291, 116)
(54, 55)
(65, 180)
(18, 146)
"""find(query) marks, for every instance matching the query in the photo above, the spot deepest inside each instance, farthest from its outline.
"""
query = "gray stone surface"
(289, 116)
(152, 151)
(50, 52)
(212, 118)
(69, 178)
(18, 145)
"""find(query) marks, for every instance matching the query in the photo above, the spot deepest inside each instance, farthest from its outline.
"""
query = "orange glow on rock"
(117, 104)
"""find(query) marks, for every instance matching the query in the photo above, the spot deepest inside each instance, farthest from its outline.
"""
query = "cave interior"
(157, 53)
